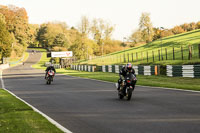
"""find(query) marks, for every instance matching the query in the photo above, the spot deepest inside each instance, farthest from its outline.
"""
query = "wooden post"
(136, 56)
(142, 56)
(173, 54)
(128, 57)
(124, 58)
(159, 55)
(153, 55)
(166, 53)
(199, 51)
(132, 57)
(190, 52)
(182, 52)
(147, 56)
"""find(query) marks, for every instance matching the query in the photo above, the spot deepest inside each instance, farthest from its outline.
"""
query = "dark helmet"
(129, 66)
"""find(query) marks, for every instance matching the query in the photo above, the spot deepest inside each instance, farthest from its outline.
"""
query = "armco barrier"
(139, 70)
(192, 71)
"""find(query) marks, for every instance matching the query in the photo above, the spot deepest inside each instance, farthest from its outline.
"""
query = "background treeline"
(88, 39)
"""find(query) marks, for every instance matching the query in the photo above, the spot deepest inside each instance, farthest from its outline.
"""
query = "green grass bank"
(157, 52)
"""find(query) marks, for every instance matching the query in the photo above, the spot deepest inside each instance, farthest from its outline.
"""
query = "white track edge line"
(35, 109)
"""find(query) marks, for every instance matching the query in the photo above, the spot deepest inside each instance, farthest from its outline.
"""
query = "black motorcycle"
(50, 76)
(127, 86)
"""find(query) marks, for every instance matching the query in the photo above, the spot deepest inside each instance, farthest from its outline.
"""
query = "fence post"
(132, 57)
(142, 56)
(173, 54)
(153, 55)
(147, 56)
(199, 51)
(166, 52)
(128, 57)
(136, 56)
(182, 52)
(124, 57)
(190, 52)
(159, 55)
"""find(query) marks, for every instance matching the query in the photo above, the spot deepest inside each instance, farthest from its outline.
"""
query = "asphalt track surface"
(89, 106)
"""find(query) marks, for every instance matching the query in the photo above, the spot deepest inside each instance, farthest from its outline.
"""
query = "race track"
(89, 106)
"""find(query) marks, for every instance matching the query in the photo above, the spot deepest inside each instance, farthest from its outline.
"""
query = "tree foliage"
(146, 27)
(5, 38)
(177, 30)
(101, 32)
(17, 25)
(53, 34)
(136, 37)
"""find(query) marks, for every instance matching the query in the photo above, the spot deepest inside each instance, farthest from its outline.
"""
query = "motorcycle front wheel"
(48, 80)
(129, 94)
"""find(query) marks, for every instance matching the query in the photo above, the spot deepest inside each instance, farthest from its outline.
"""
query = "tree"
(5, 39)
(61, 40)
(101, 31)
(185, 27)
(17, 24)
(193, 26)
(84, 26)
(198, 25)
(166, 33)
(136, 37)
(146, 27)
(52, 33)
(177, 30)
(32, 34)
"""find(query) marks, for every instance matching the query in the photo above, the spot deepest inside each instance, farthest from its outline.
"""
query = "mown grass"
(176, 41)
(17, 117)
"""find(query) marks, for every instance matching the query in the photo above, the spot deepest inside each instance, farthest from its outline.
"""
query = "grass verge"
(17, 117)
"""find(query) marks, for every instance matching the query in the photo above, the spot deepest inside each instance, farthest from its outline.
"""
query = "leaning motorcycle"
(127, 86)
(50, 76)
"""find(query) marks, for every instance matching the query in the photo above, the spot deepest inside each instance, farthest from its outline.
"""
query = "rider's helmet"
(129, 66)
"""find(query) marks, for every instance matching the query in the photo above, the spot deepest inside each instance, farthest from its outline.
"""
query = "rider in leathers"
(51, 67)
(123, 72)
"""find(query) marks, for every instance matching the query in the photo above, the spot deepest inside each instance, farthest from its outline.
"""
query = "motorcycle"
(50, 76)
(127, 86)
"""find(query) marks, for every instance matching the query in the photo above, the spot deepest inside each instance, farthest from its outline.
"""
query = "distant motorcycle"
(50, 76)
(127, 86)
